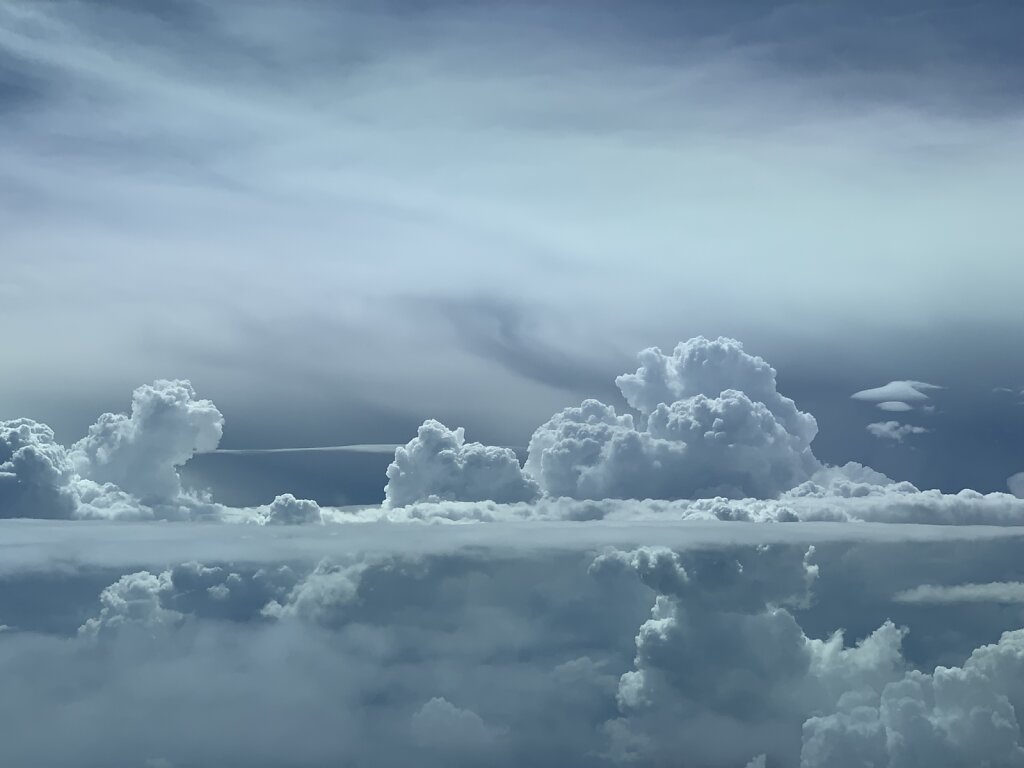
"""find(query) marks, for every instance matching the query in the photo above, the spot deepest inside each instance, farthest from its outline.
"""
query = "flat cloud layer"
(555, 644)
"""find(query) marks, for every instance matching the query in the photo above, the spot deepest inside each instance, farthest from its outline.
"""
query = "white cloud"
(134, 600)
(35, 472)
(713, 424)
(895, 406)
(905, 391)
(141, 452)
(894, 430)
(439, 465)
(285, 509)
(709, 367)
(125, 468)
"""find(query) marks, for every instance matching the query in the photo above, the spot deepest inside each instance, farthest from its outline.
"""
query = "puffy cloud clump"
(154, 602)
(285, 509)
(36, 475)
(322, 597)
(439, 465)
(713, 424)
(959, 716)
(140, 452)
(708, 367)
(125, 468)
(134, 600)
(894, 430)
(723, 649)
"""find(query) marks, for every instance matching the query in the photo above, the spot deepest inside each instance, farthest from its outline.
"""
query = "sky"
(563, 383)
(377, 213)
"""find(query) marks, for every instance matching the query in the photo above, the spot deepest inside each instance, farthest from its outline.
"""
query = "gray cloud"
(996, 592)
(1015, 483)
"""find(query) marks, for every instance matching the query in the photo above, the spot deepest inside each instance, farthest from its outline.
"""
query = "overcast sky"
(338, 219)
(590, 384)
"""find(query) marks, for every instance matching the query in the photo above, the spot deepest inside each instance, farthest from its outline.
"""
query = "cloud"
(996, 592)
(140, 452)
(713, 424)
(708, 367)
(439, 724)
(519, 644)
(126, 467)
(894, 430)
(895, 406)
(439, 465)
(953, 716)
(905, 391)
(288, 510)
(1015, 483)
(224, 121)
(35, 472)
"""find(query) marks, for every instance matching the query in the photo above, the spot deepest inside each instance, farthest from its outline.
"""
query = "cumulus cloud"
(957, 716)
(713, 424)
(140, 452)
(321, 597)
(723, 647)
(708, 367)
(126, 467)
(36, 475)
(894, 430)
(905, 391)
(439, 465)
(134, 600)
(288, 510)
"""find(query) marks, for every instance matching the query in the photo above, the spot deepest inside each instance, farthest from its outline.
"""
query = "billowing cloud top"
(712, 439)
(714, 424)
(641, 608)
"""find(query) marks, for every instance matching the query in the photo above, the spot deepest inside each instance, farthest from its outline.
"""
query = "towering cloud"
(36, 475)
(140, 452)
(708, 367)
(126, 467)
(713, 424)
